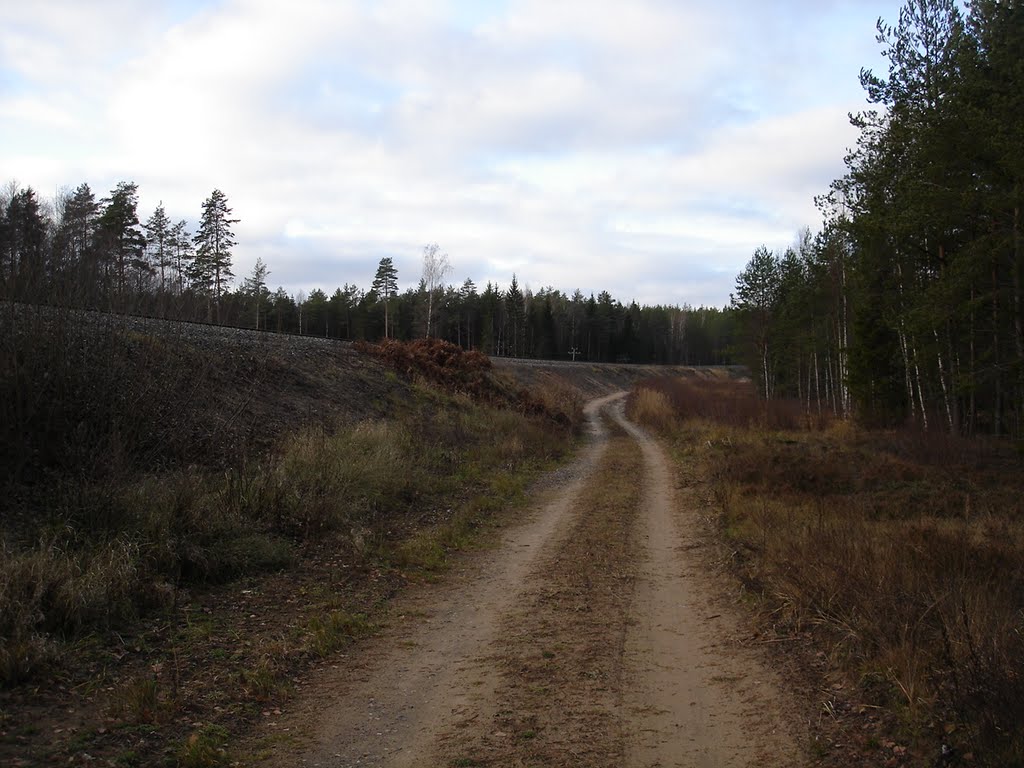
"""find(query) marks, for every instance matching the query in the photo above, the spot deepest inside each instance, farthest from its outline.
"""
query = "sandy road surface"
(590, 637)
(694, 696)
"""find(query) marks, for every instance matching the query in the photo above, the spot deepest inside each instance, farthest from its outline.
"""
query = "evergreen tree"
(345, 309)
(316, 315)
(23, 247)
(756, 297)
(159, 239)
(490, 320)
(184, 254)
(515, 311)
(283, 312)
(995, 100)
(214, 241)
(468, 310)
(75, 244)
(256, 288)
(122, 244)
(385, 286)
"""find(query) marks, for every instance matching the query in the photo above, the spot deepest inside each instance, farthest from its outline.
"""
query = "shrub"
(873, 548)
(730, 402)
(651, 408)
(468, 372)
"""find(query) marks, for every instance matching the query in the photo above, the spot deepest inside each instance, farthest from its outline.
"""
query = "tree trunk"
(907, 377)
(997, 426)
(942, 381)
(764, 366)
(1018, 322)
(920, 389)
(972, 403)
(817, 383)
(844, 330)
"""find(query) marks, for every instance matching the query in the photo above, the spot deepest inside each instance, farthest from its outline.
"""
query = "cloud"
(645, 148)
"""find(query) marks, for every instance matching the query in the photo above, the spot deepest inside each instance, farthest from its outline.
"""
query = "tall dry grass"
(729, 402)
(901, 553)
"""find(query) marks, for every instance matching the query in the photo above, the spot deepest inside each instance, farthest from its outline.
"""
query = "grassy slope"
(893, 560)
(192, 517)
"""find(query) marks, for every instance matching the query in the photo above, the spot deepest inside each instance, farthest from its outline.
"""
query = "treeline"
(80, 251)
(513, 322)
(907, 306)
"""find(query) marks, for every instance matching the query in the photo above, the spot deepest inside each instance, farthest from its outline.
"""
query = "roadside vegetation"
(894, 559)
(150, 501)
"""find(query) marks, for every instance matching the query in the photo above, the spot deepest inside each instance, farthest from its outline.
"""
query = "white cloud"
(645, 147)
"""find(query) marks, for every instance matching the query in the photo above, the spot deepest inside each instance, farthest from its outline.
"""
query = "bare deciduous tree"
(436, 268)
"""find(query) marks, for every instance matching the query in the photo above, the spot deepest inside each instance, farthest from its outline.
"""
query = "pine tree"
(214, 242)
(159, 234)
(515, 314)
(385, 285)
(996, 123)
(75, 243)
(256, 287)
(23, 246)
(490, 327)
(756, 298)
(184, 253)
(467, 300)
(120, 238)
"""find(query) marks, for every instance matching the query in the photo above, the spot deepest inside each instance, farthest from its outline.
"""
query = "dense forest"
(82, 252)
(907, 305)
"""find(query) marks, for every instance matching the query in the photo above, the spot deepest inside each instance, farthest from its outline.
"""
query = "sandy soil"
(696, 696)
(593, 634)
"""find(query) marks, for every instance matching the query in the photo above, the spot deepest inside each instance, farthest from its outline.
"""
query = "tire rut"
(560, 649)
(695, 697)
(386, 703)
(595, 635)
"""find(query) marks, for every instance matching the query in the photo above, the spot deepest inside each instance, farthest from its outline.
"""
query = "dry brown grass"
(900, 553)
(468, 373)
(652, 409)
(728, 402)
(106, 555)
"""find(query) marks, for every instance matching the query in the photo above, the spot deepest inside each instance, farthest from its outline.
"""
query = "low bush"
(468, 372)
(729, 402)
(651, 408)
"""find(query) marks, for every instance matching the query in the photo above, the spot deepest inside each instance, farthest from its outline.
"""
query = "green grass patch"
(335, 630)
(205, 748)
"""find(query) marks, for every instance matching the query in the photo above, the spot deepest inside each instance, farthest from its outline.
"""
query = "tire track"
(560, 650)
(594, 636)
(694, 697)
(429, 671)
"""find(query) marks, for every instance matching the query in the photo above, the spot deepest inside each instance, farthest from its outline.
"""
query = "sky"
(643, 147)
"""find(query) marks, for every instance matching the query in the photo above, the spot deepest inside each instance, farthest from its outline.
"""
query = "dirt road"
(591, 636)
